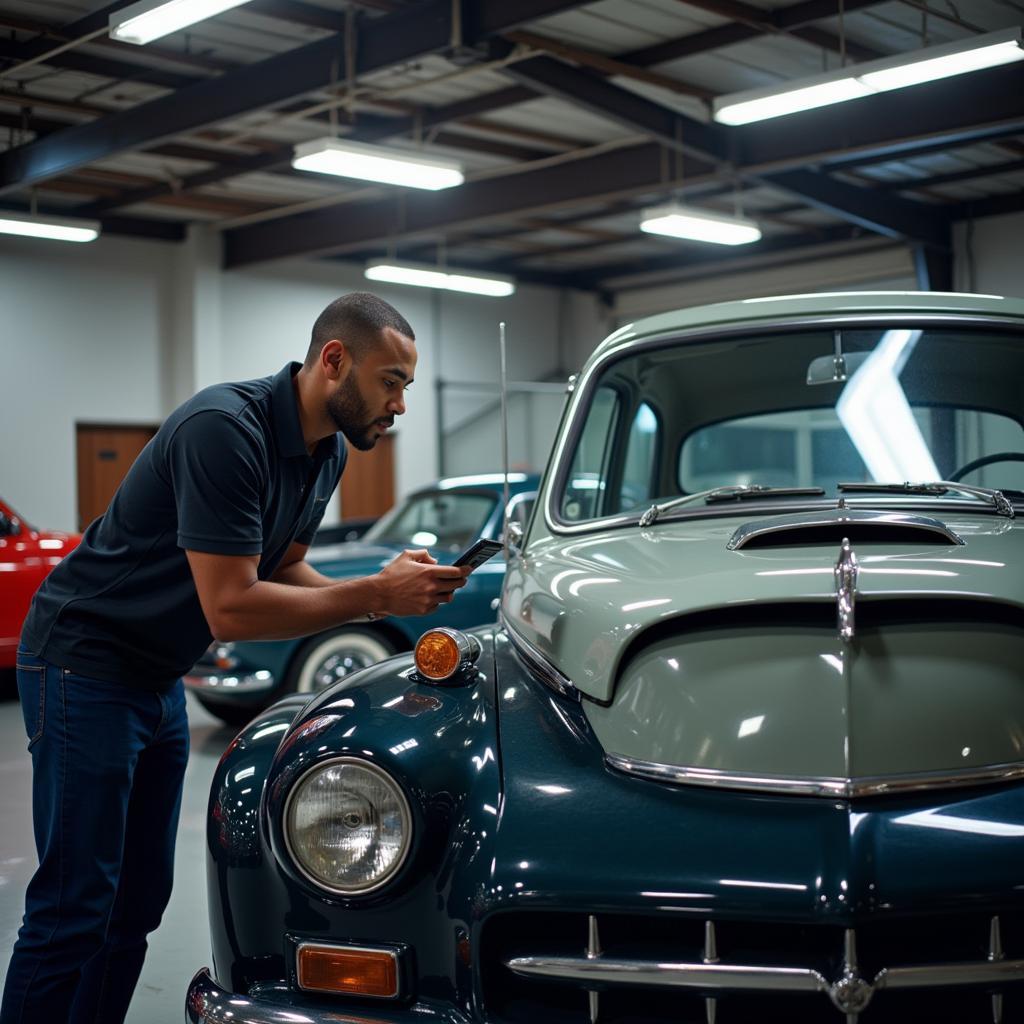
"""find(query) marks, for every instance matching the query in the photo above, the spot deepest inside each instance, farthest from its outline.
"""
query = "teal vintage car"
(747, 742)
(235, 680)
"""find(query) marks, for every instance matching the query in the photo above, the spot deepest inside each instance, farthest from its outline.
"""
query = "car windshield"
(809, 409)
(446, 520)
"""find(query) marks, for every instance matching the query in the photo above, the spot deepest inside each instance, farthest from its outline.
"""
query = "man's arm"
(295, 570)
(240, 606)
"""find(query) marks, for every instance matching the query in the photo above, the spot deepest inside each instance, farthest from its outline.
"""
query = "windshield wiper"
(731, 492)
(995, 498)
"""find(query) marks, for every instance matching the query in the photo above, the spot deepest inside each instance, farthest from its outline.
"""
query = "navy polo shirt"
(228, 473)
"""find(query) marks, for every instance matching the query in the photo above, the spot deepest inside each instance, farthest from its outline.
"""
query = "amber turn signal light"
(351, 970)
(442, 652)
(437, 654)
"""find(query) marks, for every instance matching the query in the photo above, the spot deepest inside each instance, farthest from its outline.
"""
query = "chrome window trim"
(581, 393)
(407, 822)
(842, 516)
(827, 786)
(550, 676)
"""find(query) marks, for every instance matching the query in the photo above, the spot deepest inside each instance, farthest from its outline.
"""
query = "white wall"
(990, 258)
(81, 334)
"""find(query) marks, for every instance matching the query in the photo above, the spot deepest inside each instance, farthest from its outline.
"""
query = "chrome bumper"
(230, 682)
(208, 1003)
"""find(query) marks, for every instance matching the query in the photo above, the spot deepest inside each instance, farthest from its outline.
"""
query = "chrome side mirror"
(513, 536)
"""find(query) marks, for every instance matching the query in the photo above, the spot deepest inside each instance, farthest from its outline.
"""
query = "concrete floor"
(181, 945)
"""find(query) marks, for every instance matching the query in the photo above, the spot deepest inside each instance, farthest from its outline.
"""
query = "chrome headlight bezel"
(407, 827)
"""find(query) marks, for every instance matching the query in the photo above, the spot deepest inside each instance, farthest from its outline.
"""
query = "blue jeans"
(108, 763)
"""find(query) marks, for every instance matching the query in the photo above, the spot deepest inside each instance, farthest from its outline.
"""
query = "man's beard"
(351, 415)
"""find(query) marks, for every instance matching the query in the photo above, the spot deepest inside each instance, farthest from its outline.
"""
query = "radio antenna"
(504, 431)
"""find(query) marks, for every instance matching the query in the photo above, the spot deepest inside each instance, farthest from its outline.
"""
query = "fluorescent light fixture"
(425, 276)
(60, 229)
(147, 20)
(850, 83)
(700, 225)
(376, 163)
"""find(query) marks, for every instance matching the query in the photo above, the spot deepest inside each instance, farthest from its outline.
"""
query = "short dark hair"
(357, 320)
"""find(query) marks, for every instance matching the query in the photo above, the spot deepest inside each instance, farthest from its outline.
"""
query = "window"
(584, 493)
(641, 451)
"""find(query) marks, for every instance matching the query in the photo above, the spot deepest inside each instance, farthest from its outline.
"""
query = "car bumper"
(208, 1003)
(229, 683)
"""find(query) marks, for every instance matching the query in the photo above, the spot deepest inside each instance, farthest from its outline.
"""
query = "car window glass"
(589, 472)
(442, 519)
(638, 470)
(801, 408)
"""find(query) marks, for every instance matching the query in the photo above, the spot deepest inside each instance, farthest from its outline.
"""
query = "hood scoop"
(836, 525)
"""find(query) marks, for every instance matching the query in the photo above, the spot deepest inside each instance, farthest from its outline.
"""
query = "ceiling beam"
(952, 178)
(628, 170)
(765, 22)
(875, 125)
(391, 39)
(975, 108)
(786, 19)
(888, 215)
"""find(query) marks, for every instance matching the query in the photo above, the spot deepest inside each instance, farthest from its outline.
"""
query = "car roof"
(821, 304)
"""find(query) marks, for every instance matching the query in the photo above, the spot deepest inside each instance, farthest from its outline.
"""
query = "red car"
(26, 556)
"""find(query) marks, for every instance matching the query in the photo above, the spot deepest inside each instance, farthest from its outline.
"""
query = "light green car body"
(622, 614)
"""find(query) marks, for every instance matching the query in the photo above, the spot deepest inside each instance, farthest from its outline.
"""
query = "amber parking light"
(349, 970)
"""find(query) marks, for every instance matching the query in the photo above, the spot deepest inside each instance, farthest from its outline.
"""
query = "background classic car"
(235, 680)
(747, 743)
(26, 557)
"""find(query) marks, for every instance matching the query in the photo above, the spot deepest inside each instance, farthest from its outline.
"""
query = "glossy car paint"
(26, 556)
(518, 814)
(535, 821)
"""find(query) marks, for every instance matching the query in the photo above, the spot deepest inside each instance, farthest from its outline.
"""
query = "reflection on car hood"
(582, 600)
(352, 558)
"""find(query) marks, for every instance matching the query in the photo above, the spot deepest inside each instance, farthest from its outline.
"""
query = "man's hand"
(414, 584)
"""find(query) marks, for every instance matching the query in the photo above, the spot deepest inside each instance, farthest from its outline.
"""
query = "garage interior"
(569, 120)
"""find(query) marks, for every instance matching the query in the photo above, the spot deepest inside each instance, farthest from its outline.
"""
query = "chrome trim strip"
(999, 972)
(815, 786)
(720, 977)
(230, 683)
(849, 993)
(842, 516)
(550, 675)
(712, 333)
(846, 572)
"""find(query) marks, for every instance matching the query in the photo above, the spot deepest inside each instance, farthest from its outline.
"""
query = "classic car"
(235, 680)
(26, 556)
(746, 743)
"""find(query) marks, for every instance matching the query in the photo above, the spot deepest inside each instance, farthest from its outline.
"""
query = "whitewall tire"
(330, 657)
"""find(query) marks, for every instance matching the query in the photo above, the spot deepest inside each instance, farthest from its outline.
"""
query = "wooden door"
(105, 453)
(368, 483)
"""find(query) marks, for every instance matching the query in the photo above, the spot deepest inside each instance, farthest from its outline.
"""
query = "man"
(206, 537)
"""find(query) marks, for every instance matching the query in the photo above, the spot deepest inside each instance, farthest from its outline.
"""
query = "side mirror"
(513, 535)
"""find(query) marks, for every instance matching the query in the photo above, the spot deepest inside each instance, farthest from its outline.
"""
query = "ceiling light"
(61, 229)
(700, 225)
(147, 20)
(376, 163)
(850, 83)
(425, 276)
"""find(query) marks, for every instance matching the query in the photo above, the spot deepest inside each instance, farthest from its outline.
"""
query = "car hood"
(731, 661)
(351, 558)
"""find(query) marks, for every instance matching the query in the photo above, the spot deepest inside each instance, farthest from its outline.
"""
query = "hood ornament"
(846, 571)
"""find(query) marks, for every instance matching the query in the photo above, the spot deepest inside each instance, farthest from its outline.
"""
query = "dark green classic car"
(746, 744)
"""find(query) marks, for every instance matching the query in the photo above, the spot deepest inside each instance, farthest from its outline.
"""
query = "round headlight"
(348, 826)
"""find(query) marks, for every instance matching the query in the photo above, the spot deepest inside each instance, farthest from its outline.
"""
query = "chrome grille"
(618, 968)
